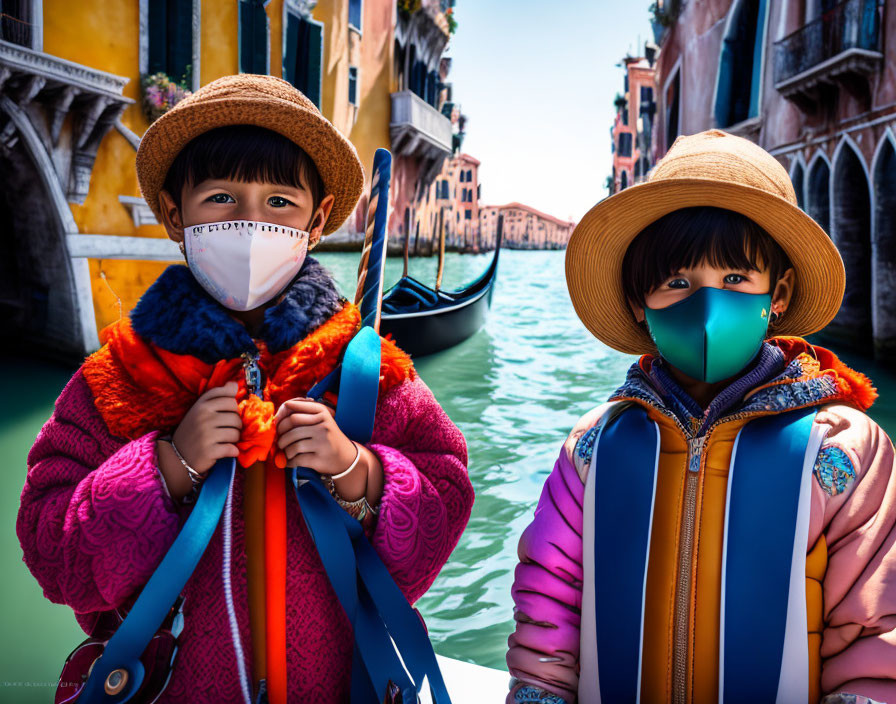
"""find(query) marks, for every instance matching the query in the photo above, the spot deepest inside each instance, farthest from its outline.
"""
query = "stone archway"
(818, 197)
(38, 300)
(883, 251)
(852, 235)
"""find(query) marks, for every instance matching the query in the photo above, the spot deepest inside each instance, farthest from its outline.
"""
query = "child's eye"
(279, 201)
(735, 279)
(215, 198)
(678, 283)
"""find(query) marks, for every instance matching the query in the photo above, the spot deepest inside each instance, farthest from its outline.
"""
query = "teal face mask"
(712, 334)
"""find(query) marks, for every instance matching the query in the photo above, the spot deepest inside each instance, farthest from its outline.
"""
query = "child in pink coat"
(113, 473)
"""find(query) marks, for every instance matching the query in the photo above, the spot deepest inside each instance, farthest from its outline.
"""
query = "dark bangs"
(243, 153)
(688, 237)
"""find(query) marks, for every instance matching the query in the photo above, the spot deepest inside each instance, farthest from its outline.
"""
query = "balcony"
(840, 49)
(417, 128)
(40, 93)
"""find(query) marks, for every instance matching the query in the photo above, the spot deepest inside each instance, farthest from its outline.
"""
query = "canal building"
(632, 127)
(814, 83)
(452, 202)
(80, 82)
(524, 227)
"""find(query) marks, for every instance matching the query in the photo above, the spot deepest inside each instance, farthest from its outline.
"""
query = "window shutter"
(180, 40)
(253, 37)
(158, 42)
(315, 59)
(290, 57)
(354, 13)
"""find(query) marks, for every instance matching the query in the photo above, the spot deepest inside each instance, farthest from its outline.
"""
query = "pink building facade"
(632, 127)
(524, 228)
(814, 83)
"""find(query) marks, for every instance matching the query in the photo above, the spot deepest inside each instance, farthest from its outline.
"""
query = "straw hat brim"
(598, 244)
(334, 156)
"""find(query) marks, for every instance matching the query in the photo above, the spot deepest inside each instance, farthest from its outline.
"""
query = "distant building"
(524, 228)
(814, 83)
(632, 128)
(454, 197)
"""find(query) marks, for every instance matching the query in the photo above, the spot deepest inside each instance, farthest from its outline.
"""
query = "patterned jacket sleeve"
(854, 501)
(94, 518)
(543, 654)
(427, 495)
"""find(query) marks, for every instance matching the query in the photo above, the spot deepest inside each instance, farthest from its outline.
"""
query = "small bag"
(130, 653)
(158, 659)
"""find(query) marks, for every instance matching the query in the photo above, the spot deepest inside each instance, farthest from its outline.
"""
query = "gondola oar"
(369, 294)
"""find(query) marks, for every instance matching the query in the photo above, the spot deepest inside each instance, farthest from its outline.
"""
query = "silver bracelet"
(354, 464)
(196, 478)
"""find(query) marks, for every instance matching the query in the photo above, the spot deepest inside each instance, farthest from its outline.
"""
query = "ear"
(319, 220)
(171, 217)
(637, 311)
(783, 292)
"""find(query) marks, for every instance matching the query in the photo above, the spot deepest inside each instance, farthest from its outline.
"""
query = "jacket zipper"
(685, 556)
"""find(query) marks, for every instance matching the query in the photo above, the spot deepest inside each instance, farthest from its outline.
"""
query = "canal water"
(514, 389)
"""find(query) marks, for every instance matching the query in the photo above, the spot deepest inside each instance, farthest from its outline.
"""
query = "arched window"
(818, 204)
(623, 181)
(740, 63)
(798, 180)
(883, 250)
(852, 235)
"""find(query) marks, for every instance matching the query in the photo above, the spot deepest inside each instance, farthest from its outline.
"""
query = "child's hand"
(308, 435)
(211, 428)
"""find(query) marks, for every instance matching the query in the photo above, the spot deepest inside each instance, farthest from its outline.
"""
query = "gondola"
(423, 320)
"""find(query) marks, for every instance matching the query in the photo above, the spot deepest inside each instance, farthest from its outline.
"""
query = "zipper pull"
(253, 372)
(695, 449)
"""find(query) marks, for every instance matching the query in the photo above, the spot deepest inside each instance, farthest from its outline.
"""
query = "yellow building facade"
(71, 116)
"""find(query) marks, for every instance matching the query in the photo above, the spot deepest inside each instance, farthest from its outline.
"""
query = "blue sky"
(537, 82)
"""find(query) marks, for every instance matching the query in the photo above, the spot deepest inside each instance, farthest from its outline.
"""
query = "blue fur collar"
(178, 315)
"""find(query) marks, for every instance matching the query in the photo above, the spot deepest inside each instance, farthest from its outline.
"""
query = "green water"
(514, 389)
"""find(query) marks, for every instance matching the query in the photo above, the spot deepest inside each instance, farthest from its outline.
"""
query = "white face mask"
(243, 264)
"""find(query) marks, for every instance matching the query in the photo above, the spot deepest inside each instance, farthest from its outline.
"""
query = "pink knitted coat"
(95, 520)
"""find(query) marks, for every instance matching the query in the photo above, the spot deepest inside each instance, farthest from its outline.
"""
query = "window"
(625, 114)
(469, 175)
(354, 14)
(672, 103)
(353, 85)
(462, 176)
(468, 215)
(253, 37)
(646, 94)
(171, 39)
(737, 91)
(623, 181)
(625, 144)
(303, 55)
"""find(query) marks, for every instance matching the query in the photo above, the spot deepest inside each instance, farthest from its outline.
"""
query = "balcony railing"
(15, 29)
(852, 27)
(415, 124)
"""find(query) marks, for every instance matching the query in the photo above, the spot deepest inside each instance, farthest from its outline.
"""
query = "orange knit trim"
(139, 387)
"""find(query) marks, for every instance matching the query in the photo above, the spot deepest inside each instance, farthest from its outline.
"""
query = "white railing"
(411, 112)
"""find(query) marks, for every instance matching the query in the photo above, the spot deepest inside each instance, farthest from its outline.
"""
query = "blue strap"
(376, 607)
(359, 385)
(152, 606)
(765, 492)
(625, 478)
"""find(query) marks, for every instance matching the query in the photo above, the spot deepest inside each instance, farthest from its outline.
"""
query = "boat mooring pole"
(441, 248)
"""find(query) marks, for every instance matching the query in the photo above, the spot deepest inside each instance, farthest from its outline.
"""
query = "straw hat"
(712, 168)
(265, 101)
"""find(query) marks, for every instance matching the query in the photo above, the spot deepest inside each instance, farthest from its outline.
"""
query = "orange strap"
(255, 564)
(275, 580)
